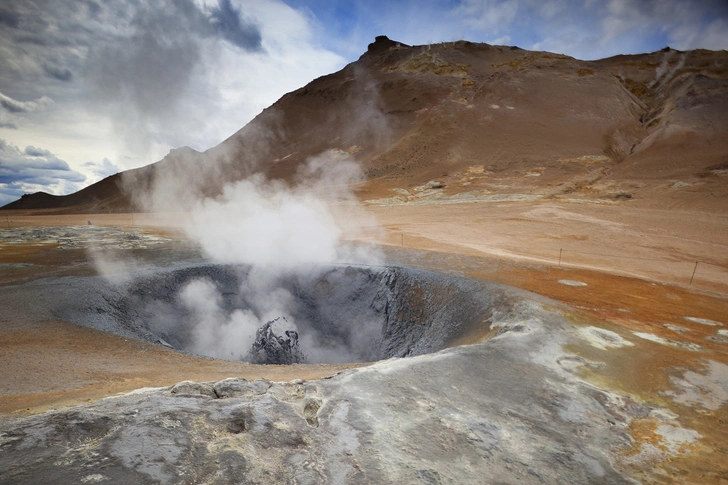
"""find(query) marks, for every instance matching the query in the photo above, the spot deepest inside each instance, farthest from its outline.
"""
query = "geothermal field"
(443, 264)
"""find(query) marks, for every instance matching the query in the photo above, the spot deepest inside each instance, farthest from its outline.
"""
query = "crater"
(339, 314)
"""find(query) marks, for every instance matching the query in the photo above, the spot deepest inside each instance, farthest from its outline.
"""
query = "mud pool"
(341, 314)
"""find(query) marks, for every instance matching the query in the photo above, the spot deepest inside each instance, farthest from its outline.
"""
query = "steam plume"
(279, 232)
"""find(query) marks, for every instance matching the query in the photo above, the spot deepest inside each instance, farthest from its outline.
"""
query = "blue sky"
(91, 87)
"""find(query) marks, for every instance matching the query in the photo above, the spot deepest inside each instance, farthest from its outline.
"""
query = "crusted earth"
(543, 393)
(515, 402)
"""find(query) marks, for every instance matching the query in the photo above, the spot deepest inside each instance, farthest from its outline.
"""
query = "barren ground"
(636, 263)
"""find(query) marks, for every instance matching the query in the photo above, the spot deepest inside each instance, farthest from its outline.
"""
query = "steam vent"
(323, 315)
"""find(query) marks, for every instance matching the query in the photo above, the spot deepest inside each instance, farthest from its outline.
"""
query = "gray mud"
(511, 409)
(370, 313)
(364, 313)
(503, 411)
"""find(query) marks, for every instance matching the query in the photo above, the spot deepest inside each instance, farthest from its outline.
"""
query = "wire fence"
(669, 268)
(687, 272)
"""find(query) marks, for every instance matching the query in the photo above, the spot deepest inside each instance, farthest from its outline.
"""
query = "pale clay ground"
(635, 264)
(651, 245)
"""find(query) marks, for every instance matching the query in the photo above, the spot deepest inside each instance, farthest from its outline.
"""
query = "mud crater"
(341, 314)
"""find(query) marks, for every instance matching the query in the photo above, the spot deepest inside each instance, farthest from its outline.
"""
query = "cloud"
(141, 77)
(14, 106)
(164, 78)
(714, 36)
(9, 18)
(590, 30)
(101, 169)
(58, 73)
(504, 40)
(679, 24)
(490, 15)
(147, 76)
(232, 27)
(32, 151)
(150, 67)
(32, 170)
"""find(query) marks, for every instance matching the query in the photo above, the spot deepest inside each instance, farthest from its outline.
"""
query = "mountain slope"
(476, 119)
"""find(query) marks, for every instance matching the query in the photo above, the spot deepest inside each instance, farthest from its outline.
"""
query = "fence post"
(560, 251)
(693, 275)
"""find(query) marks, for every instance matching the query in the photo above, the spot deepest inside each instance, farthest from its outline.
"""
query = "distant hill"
(99, 197)
(473, 117)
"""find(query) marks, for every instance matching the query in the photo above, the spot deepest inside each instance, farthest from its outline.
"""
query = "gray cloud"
(101, 169)
(32, 151)
(11, 105)
(93, 9)
(32, 170)
(9, 17)
(131, 79)
(51, 40)
(58, 73)
(14, 106)
(233, 28)
(149, 69)
(150, 74)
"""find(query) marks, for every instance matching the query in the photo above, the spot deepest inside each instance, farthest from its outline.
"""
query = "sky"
(89, 88)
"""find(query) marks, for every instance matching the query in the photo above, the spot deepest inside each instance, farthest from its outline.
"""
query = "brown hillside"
(478, 120)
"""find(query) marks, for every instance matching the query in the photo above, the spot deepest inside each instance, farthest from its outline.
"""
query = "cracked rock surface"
(507, 410)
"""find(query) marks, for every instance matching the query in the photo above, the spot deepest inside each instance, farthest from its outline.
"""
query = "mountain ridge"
(474, 117)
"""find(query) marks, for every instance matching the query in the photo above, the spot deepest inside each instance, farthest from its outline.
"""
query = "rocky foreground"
(513, 409)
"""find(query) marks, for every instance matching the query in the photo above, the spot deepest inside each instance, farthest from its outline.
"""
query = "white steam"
(270, 224)
(221, 332)
(282, 232)
(665, 71)
(279, 230)
(255, 222)
(215, 333)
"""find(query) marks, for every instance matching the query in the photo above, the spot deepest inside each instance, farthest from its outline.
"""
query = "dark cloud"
(150, 75)
(32, 151)
(50, 44)
(144, 64)
(9, 18)
(228, 22)
(32, 170)
(12, 109)
(94, 9)
(147, 71)
(59, 73)
(34, 39)
(14, 106)
(11, 106)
